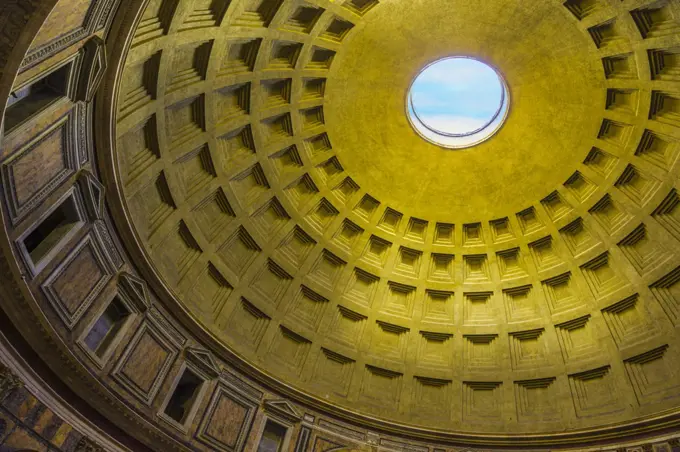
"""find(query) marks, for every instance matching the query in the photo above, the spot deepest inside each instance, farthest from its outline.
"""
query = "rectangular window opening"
(51, 230)
(30, 100)
(106, 328)
(272, 438)
(183, 396)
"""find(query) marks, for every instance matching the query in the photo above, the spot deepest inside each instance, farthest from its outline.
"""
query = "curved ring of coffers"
(463, 140)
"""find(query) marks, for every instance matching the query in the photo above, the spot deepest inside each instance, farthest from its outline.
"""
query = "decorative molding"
(341, 430)
(329, 445)
(83, 126)
(177, 338)
(52, 48)
(303, 439)
(106, 15)
(67, 126)
(230, 378)
(109, 248)
(57, 299)
(88, 445)
(402, 447)
(283, 409)
(210, 433)
(92, 68)
(156, 334)
(36, 267)
(93, 194)
(135, 289)
(8, 381)
(204, 360)
(97, 16)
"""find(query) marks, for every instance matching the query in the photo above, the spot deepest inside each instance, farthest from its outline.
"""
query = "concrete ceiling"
(271, 176)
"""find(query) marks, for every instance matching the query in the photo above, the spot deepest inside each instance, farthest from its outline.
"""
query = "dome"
(240, 191)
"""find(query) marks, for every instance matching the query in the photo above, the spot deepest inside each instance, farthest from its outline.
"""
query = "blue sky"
(457, 95)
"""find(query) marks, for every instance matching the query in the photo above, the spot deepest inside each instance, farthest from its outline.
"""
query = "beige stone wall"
(67, 16)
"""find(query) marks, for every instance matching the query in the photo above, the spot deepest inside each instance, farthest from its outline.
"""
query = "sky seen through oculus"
(457, 95)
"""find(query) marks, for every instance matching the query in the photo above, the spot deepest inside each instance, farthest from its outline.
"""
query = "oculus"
(457, 102)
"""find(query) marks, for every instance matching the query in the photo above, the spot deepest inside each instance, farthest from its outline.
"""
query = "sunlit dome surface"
(457, 102)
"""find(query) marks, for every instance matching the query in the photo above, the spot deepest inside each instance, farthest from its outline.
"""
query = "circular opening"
(457, 102)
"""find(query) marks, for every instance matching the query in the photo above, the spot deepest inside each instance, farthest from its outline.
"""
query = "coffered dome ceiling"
(266, 167)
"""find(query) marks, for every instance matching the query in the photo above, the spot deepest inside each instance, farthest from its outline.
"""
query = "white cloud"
(456, 73)
(453, 123)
